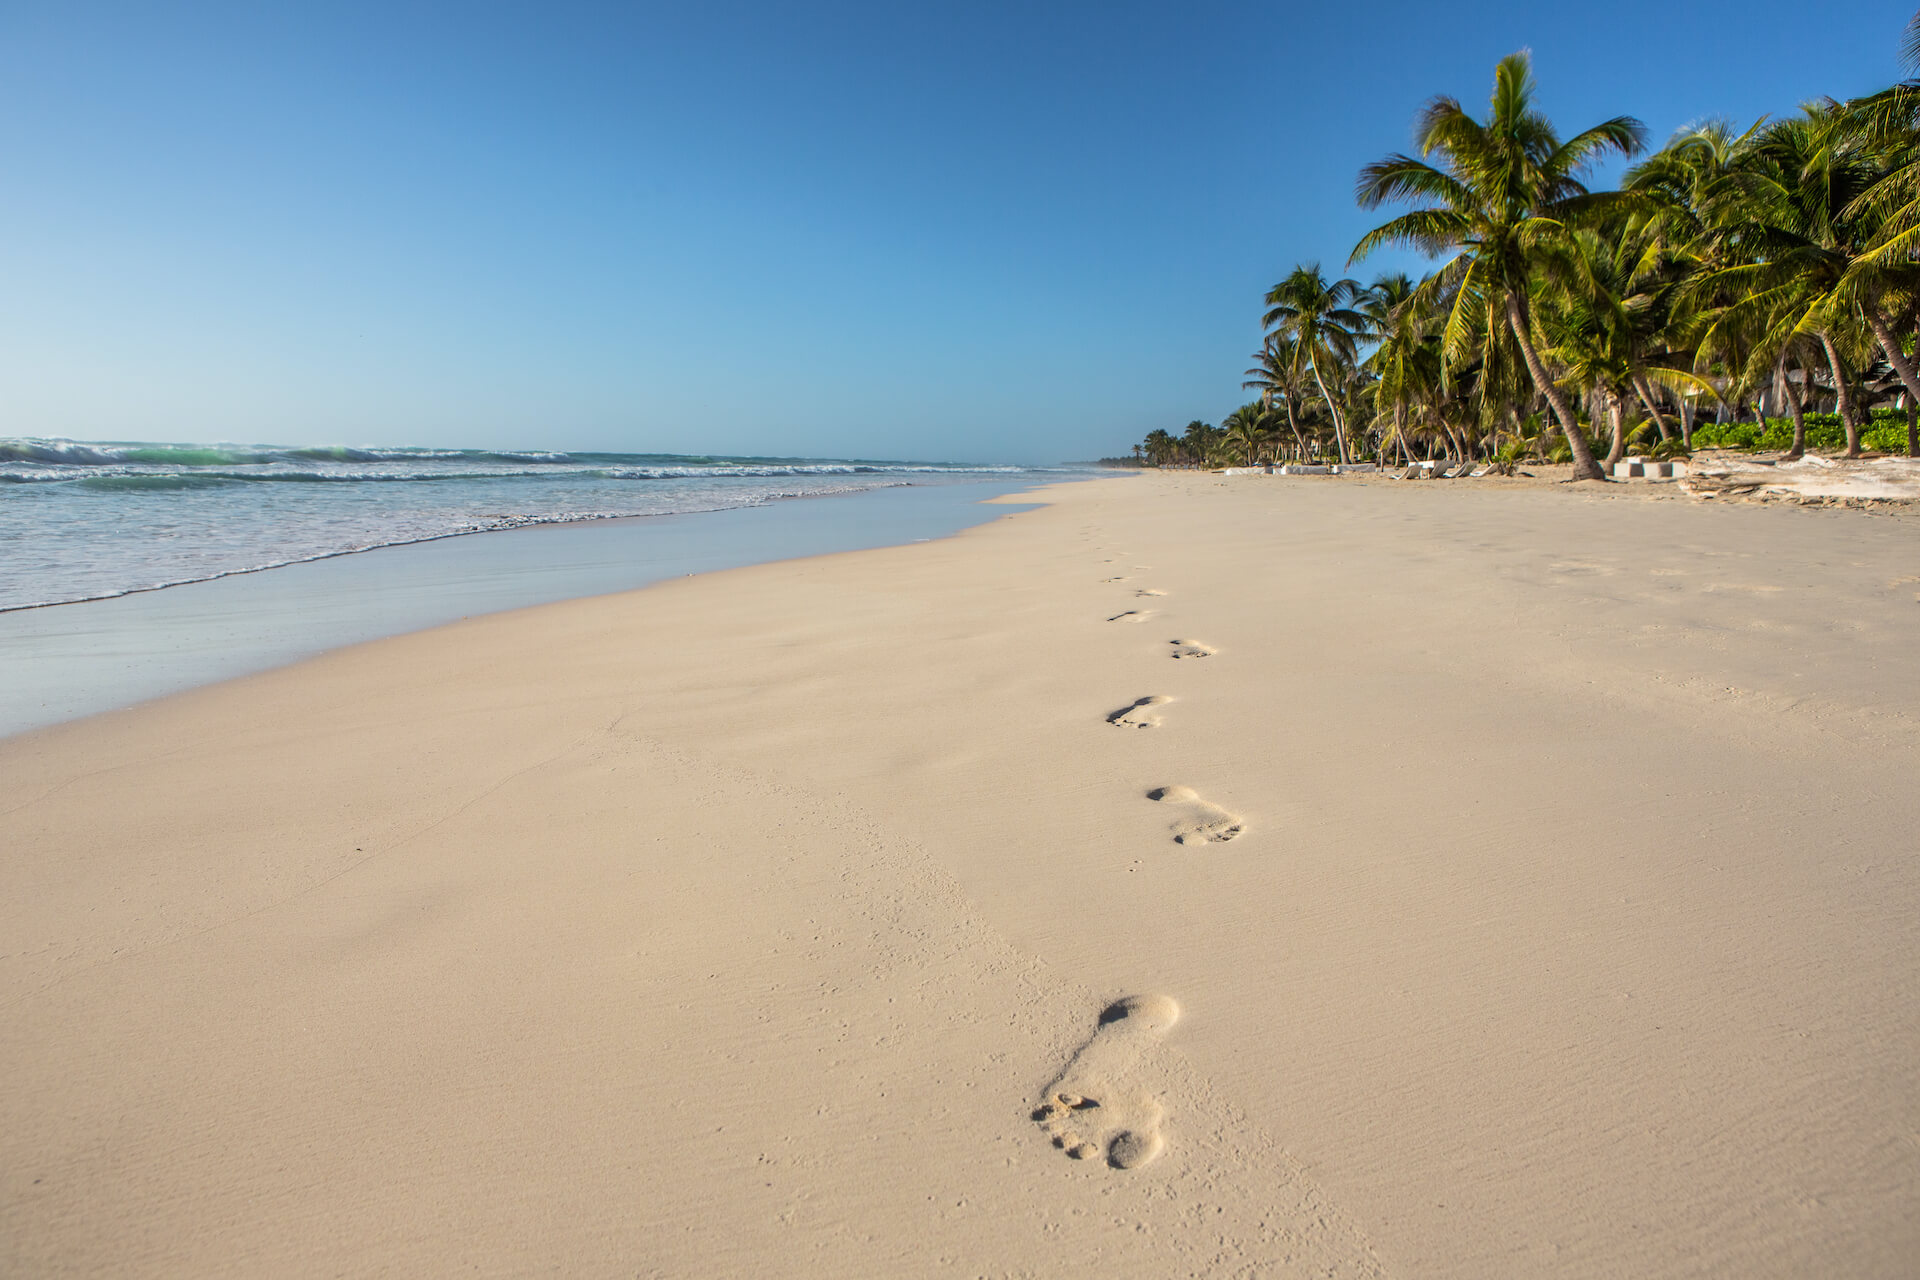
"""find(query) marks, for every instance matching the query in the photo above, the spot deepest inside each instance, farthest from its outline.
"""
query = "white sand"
(1529, 890)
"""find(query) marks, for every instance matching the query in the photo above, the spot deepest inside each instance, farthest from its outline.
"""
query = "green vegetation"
(1746, 289)
(1825, 433)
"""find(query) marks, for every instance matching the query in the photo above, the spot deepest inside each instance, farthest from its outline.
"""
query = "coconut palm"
(1199, 442)
(1326, 331)
(1161, 447)
(1248, 433)
(1276, 376)
(1795, 223)
(1503, 192)
(1611, 308)
(1406, 364)
(1876, 143)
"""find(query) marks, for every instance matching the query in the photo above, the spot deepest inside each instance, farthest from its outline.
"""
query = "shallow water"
(85, 521)
(72, 660)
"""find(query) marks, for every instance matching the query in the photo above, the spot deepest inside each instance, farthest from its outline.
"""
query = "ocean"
(87, 521)
(256, 547)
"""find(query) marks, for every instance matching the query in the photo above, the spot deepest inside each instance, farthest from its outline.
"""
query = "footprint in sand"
(1149, 591)
(1191, 649)
(1132, 615)
(1203, 822)
(1098, 1106)
(1122, 578)
(1136, 715)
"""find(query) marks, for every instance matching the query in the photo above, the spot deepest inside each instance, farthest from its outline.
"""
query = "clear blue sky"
(981, 231)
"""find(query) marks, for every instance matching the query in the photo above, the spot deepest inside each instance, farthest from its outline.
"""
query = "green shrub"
(1886, 433)
(1885, 437)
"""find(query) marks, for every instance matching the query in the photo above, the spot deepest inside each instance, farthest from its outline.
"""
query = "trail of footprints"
(1099, 1107)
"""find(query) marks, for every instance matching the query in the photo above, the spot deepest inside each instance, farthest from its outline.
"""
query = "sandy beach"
(1189, 877)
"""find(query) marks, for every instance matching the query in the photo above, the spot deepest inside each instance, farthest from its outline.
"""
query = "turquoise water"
(89, 521)
(73, 660)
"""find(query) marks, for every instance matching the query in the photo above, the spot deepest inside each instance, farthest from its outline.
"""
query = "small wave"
(56, 452)
(150, 484)
(177, 455)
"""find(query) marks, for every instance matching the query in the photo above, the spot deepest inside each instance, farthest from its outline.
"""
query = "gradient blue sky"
(988, 231)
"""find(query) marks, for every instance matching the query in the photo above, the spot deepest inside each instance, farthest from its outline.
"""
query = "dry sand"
(1449, 880)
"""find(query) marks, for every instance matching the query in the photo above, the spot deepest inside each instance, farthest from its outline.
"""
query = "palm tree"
(1200, 441)
(1276, 376)
(1161, 447)
(1610, 309)
(1877, 142)
(1406, 364)
(1504, 191)
(1795, 240)
(1248, 432)
(1325, 329)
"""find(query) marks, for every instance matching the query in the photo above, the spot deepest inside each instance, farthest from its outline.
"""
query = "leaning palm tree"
(1325, 329)
(1503, 192)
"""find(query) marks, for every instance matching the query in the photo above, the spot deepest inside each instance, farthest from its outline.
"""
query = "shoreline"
(1429, 883)
(226, 625)
(529, 522)
(532, 522)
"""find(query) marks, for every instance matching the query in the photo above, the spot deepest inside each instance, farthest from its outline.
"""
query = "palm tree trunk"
(1791, 394)
(1644, 390)
(1584, 467)
(1842, 397)
(1902, 363)
(1616, 411)
(1913, 429)
(1339, 429)
(1299, 444)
